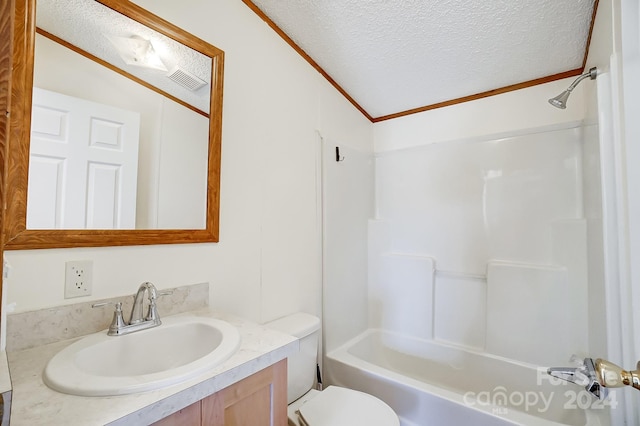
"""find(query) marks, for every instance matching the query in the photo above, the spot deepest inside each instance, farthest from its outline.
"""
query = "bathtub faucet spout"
(598, 376)
(583, 375)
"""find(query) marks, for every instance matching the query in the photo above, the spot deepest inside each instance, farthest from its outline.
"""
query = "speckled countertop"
(35, 404)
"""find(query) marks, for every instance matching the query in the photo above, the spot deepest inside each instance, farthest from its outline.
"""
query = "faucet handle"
(612, 376)
(101, 304)
(152, 313)
(118, 323)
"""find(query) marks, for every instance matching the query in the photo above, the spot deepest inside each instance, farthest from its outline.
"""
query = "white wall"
(183, 165)
(603, 42)
(348, 202)
(268, 261)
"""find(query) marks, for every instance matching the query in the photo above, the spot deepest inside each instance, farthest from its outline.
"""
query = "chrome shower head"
(560, 101)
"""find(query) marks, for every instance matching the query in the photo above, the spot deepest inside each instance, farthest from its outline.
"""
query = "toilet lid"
(336, 406)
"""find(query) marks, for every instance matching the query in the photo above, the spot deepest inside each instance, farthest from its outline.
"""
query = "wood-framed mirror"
(21, 234)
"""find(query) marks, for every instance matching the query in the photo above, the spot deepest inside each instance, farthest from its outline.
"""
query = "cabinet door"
(258, 400)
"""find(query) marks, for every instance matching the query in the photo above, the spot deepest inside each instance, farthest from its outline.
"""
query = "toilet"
(334, 406)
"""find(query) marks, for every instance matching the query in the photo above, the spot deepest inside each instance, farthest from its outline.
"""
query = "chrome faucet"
(598, 375)
(585, 375)
(136, 322)
(138, 302)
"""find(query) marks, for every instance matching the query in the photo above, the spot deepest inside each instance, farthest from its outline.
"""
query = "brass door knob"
(612, 376)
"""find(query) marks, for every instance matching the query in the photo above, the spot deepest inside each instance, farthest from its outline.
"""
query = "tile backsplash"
(34, 328)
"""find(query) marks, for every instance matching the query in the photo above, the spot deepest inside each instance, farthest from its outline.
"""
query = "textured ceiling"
(391, 56)
(87, 23)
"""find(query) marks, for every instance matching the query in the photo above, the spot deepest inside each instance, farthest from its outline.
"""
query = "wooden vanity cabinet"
(258, 400)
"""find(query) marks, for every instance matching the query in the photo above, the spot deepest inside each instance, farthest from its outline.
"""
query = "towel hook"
(338, 157)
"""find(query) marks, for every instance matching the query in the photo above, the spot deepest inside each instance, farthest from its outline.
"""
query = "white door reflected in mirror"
(83, 164)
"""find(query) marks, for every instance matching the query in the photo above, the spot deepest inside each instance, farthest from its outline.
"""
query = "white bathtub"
(427, 383)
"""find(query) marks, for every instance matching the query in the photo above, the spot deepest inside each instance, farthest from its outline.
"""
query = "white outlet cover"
(78, 278)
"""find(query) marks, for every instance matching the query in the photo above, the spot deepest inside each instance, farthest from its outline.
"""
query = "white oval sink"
(179, 349)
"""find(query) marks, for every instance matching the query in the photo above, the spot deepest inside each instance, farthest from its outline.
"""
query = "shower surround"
(488, 246)
(483, 244)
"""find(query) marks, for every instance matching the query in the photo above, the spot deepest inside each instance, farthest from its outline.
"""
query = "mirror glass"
(106, 151)
(115, 128)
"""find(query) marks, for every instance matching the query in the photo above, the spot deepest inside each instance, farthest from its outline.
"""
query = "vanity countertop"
(33, 403)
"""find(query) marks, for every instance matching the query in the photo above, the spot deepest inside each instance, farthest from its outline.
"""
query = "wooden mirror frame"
(16, 234)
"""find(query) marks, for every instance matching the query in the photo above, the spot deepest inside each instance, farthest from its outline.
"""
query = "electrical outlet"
(78, 277)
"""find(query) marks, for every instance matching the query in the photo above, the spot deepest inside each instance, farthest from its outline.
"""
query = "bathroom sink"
(179, 349)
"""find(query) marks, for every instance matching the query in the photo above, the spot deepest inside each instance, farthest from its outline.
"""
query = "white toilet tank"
(301, 366)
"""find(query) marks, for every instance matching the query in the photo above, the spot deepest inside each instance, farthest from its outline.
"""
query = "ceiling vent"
(186, 79)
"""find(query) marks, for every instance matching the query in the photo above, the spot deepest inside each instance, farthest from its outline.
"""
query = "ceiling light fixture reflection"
(137, 51)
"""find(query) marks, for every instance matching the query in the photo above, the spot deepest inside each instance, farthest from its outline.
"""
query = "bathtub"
(428, 383)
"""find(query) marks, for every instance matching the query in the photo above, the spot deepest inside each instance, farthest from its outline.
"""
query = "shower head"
(560, 101)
